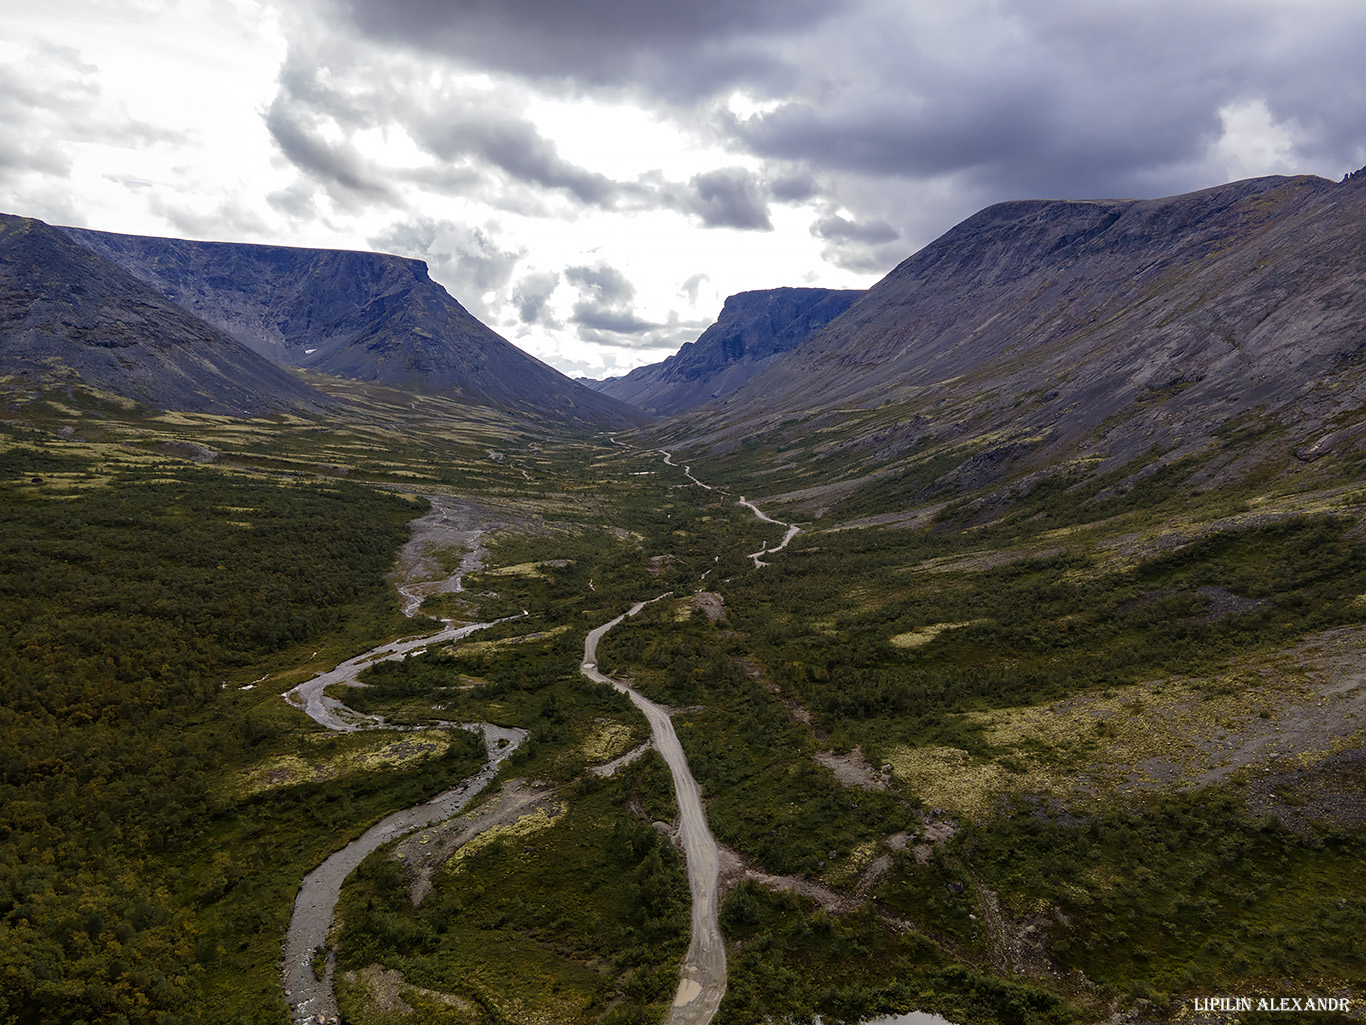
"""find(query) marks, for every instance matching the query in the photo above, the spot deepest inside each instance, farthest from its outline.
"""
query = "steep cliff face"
(1053, 330)
(753, 329)
(365, 316)
(67, 312)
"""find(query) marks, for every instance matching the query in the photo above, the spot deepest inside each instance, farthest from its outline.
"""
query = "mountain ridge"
(65, 311)
(365, 316)
(1043, 331)
(753, 329)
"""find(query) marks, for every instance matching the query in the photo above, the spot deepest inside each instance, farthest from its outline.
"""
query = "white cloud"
(696, 150)
(1252, 143)
(470, 262)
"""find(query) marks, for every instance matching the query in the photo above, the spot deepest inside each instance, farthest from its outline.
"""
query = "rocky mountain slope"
(754, 328)
(1089, 334)
(66, 313)
(365, 316)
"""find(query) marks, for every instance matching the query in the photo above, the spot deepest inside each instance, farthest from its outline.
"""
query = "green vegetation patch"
(578, 918)
(765, 795)
(1177, 732)
(337, 755)
(122, 612)
(531, 684)
(1188, 895)
(791, 959)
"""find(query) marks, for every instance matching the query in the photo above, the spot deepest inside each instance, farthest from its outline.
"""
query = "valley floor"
(1014, 771)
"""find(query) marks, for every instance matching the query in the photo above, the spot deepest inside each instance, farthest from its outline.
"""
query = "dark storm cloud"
(1018, 145)
(1062, 97)
(305, 105)
(595, 318)
(840, 229)
(863, 247)
(903, 117)
(604, 285)
(335, 165)
(604, 312)
(690, 287)
(532, 297)
(472, 141)
(1072, 99)
(518, 149)
(475, 143)
(680, 49)
(656, 340)
(295, 202)
(730, 197)
(790, 187)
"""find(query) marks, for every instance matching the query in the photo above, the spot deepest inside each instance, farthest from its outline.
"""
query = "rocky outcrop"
(364, 316)
(754, 328)
(67, 314)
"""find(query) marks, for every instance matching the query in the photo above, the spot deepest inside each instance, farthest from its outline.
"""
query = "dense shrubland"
(124, 607)
(142, 880)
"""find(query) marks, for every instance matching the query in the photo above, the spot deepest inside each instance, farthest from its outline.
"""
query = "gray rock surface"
(1039, 331)
(754, 328)
(364, 316)
(66, 313)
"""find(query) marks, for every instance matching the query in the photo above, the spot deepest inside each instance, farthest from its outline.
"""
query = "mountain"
(65, 310)
(754, 328)
(365, 316)
(1048, 334)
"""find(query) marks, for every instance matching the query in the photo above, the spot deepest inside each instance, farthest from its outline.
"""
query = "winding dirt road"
(792, 531)
(703, 981)
(687, 470)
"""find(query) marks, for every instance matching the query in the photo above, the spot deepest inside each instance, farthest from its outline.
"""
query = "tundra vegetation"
(1088, 748)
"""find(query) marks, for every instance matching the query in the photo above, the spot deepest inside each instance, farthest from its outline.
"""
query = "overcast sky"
(593, 177)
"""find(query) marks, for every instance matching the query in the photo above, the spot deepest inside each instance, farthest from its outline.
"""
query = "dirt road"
(703, 981)
(687, 470)
(792, 531)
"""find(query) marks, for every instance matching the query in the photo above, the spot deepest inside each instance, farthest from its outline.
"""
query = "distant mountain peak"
(752, 330)
(1045, 330)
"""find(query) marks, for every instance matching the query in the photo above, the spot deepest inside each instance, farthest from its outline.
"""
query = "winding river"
(310, 998)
